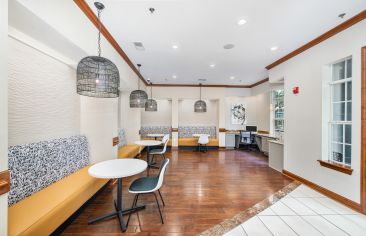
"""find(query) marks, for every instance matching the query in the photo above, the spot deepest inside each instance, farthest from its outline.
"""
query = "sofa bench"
(49, 183)
(126, 150)
(186, 139)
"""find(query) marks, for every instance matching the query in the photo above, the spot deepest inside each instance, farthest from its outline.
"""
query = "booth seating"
(127, 150)
(49, 183)
(145, 130)
(185, 135)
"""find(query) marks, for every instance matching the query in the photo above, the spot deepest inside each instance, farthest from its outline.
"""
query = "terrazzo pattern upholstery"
(155, 130)
(35, 166)
(188, 131)
(122, 141)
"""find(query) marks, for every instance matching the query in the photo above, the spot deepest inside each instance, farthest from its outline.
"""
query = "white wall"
(263, 111)
(162, 117)
(187, 116)
(130, 118)
(43, 103)
(303, 112)
(251, 111)
(3, 110)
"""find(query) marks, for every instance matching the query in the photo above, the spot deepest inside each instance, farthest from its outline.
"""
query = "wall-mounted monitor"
(251, 128)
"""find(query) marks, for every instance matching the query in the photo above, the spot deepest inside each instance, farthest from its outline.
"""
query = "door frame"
(363, 130)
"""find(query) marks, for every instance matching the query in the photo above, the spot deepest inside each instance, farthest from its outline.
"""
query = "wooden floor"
(200, 190)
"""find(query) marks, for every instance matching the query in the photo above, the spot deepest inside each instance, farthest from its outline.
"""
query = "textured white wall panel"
(43, 103)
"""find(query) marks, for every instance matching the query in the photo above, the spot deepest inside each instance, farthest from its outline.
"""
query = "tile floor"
(304, 212)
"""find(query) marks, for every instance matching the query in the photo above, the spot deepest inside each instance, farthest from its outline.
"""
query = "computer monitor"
(251, 128)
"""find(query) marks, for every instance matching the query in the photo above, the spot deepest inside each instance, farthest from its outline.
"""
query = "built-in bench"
(126, 150)
(146, 130)
(49, 183)
(185, 135)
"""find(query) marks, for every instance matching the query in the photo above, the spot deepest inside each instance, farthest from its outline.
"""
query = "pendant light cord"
(150, 90)
(99, 29)
(138, 79)
(200, 91)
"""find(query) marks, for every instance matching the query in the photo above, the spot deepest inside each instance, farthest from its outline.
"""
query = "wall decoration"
(238, 114)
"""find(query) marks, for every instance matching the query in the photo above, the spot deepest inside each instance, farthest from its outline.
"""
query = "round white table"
(155, 135)
(198, 135)
(117, 169)
(148, 144)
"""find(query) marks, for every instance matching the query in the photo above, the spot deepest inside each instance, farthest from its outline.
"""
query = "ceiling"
(200, 29)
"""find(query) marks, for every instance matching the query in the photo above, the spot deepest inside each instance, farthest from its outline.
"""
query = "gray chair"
(149, 185)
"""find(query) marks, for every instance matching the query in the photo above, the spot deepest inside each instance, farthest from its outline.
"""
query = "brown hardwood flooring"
(200, 190)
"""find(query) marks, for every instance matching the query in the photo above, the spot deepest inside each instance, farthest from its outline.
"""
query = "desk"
(117, 169)
(275, 158)
(262, 141)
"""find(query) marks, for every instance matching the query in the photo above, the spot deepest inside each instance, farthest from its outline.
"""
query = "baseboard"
(335, 196)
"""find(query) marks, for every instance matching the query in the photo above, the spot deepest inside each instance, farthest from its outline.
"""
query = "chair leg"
(157, 202)
(163, 156)
(133, 205)
(162, 200)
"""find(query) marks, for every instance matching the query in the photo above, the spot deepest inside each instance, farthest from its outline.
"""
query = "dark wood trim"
(4, 182)
(339, 28)
(174, 129)
(263, 132)
(326, 192)
(259, 82)
(115, 141)
(94, 19)
(336, 166)
(203, 85)
(363, 129)
(222, 130)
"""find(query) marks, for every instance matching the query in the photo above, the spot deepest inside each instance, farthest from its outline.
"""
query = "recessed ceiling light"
(274, 48)
(212, 65)
(229, 46)
(232, 77)
(175, 46)
(241, 22)
(174, 76)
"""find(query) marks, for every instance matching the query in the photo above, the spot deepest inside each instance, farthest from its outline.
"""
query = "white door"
(3, 110)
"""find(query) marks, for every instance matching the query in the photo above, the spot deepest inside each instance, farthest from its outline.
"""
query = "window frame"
(344, 122)
(274, 100)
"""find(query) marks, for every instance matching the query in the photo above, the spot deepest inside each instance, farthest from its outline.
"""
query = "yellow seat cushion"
(213, 142)
(129, 151)
(44, 211)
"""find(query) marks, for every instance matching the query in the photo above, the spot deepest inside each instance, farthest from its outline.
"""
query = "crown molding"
(339, 28)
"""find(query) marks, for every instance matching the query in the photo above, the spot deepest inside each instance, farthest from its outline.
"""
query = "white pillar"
(175, 121)
(222, 122)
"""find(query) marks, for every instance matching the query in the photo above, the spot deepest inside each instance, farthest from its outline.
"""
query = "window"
(278, 105)
(340, 124)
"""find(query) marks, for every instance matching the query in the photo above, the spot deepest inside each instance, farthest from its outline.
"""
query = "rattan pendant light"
(200, 105)
(138, 97)
(151, 104)
(96, 75)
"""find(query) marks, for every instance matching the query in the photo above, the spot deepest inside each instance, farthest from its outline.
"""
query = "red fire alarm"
(295, 90)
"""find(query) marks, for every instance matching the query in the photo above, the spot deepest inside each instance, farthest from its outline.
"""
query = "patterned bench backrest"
(188, 131)
(155, 130)
(37, 165)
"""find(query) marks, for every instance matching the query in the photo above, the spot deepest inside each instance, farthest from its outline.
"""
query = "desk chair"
(149, 185)
(245, 139)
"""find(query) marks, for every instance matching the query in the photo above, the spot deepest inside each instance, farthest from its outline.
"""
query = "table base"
(119, 211)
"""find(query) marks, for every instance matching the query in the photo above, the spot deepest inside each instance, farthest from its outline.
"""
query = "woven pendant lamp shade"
(97, 76)
(138, 97)
(151, 104)
(200, 105)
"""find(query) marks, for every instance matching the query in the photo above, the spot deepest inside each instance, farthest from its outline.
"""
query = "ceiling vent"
(202, 80)
(139, 46)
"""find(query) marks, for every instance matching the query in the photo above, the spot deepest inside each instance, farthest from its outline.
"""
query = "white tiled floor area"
(304, 212)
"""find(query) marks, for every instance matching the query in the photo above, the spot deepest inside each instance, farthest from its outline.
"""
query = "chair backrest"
(245, 137)
(161, 174)
(165, 141)
(203, 139)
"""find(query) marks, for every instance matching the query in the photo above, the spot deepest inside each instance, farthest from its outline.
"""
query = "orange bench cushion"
(44, 211)
(129, 151)
(213, 142)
